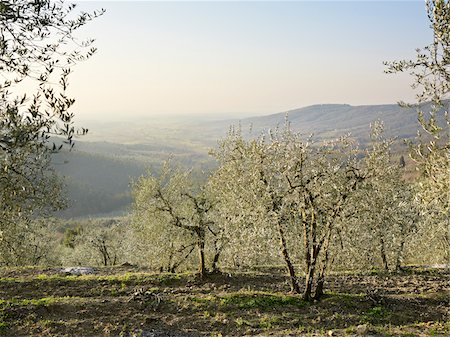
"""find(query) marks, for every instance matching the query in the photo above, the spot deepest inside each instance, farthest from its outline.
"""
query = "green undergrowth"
(164, 279)
(260, 300)
(376, 314)
(248, 300)
(11, 279)
(45, 301)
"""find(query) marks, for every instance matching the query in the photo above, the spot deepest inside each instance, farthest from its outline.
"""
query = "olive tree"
(431, 73)
(38, 47)
(287, 182)
(28, 241)
(384, 211)
(95, 242)
(30, 191)
(37, 50)
(179, 216)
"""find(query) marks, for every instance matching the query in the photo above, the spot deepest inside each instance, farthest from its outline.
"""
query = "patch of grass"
(441, 296)
(350, 330)
(39, 302)
(45, 323)
(241, 322)
(268, 322)
(348, 300)
(3, 328)
(250, 300)
(10, 280)
(376, 314)
(437, 331)
(433, 328)
(125, 279)
(303, 329)
(261, 300)
(168, 279)
(386, 331)
(118, 287)
(57, 277)
(204, 301)
(377, 272)
(164, 279)
(113, 279)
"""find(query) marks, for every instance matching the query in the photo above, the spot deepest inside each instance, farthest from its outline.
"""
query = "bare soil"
(130, 301)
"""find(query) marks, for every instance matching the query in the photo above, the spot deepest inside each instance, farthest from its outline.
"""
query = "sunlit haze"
(248, 58)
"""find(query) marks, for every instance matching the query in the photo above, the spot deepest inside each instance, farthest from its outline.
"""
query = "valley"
(99, 170)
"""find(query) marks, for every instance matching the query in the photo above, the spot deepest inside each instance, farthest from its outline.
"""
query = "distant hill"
(99, 170)
(334, 120)
(198, 133)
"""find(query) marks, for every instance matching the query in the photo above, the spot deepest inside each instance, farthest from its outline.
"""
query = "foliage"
(35, 47)
(36, 40)
(70, 236)
(29, 242)
(384, 212)
(431, 73)
(96, 242)
(179, 215)
(285, 183)
(29, 191)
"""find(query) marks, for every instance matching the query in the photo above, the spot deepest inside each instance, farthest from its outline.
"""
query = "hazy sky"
(244, 57)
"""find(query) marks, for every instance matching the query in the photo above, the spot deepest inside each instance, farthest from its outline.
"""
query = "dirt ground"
(129, 301)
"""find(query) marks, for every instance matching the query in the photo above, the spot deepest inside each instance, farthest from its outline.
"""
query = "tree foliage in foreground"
(37, 50)
(431, 73)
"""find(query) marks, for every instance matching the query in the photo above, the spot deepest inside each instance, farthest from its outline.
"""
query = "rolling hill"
(98, 172)
(333, 120)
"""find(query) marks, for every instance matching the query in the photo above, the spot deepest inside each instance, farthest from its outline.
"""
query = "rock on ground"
(78, 270)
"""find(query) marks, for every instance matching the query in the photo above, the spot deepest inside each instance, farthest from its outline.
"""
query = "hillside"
(333, 120)
(99, 170)
(96, 184)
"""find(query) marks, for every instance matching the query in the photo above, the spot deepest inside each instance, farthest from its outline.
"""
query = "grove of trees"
(276, 199)
(316, 206)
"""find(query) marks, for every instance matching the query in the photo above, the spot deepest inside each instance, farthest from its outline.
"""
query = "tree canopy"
(38, 47)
